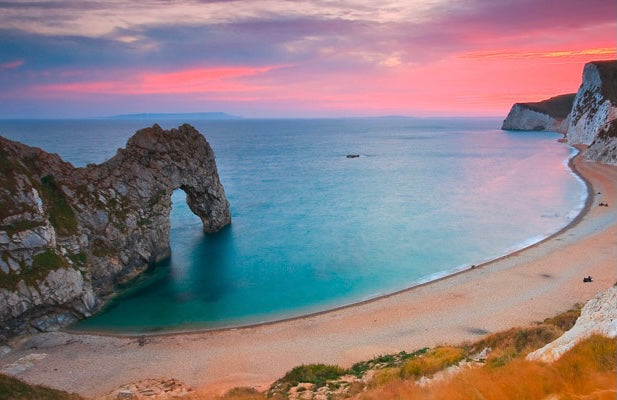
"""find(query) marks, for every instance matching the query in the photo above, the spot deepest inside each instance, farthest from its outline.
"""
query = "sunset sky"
(277, 58)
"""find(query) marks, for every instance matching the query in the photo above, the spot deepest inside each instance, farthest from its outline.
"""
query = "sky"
(282, 58)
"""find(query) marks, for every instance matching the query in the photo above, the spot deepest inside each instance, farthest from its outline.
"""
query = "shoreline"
(516, 289)
(589, 199)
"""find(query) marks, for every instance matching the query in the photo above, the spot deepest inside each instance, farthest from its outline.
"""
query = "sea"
(314, 230)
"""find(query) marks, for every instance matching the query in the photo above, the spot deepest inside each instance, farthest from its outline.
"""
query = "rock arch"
(101, 224)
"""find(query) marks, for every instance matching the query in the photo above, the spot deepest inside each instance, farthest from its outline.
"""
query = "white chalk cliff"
(594, 104)
(599, 316)
(547, 115)
(590, 120)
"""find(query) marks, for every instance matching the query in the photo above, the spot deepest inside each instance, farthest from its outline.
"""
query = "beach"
(515, 290)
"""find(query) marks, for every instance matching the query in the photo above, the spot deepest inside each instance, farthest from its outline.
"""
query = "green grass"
(20, 226)
(433, 361)
(61, 214)
(556, 107)
(565, 321)
(8, 170)
(42, 264)
(47, 261)
(14, 389)
(385, 361)
(608, 71)
(79, 258)
(317, 374)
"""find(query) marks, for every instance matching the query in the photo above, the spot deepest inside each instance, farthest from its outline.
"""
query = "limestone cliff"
(595, 103)
(585, 118)
(604, 147)
(69, 235)
(599, 316)
(547, 115)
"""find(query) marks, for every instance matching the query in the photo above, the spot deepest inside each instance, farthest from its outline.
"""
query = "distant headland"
(174, 116)
(588, 117)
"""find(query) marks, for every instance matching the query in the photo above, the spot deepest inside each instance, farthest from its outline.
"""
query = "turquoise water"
(314, 230)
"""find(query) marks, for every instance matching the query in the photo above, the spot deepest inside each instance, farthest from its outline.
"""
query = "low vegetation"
(608, 71)
(14, 389)
(434, 361)
(396, 376)
(586, 371)
(61, 214)
(557, 107)
(384, 361)
(42, 264)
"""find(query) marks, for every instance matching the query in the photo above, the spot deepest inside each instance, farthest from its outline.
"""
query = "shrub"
(14, 389)
(586, 371)
(61, 214)
(510, 344)
(385, 375)
(435, 360)
(243, 393)
(317, 374)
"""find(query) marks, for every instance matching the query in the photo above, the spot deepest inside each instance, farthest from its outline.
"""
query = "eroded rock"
(547, 115)
(68, 235)
(599, 316)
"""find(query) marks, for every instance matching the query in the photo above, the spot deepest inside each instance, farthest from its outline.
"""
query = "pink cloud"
(194, 80)
(12, 64)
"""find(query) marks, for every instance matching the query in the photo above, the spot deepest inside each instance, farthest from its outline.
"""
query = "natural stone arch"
(138, 182)
(101, 224)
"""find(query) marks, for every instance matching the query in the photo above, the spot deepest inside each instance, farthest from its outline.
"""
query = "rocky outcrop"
(599, 316)
(547, 115)
(595, 103)
(69, 235)
(586, 118)
(604, 147)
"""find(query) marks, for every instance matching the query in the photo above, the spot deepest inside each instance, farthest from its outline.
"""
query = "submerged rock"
(68, 235)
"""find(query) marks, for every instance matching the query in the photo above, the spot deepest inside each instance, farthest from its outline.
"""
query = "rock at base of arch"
(98, 225)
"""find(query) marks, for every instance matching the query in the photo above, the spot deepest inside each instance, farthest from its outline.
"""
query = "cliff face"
(604, 147)
(590, 118)
(68, 235)
(547, 115)
(595, 103)
(598, 317)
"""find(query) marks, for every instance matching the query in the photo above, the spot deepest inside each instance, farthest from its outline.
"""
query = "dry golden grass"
(510, 344)
(238, 393)
(585, 372)
(385, 375)
(433, 361)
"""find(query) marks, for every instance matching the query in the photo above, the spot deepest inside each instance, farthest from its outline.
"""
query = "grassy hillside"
(466, 371)
(608, 72)
(458, 372)
(557, 107)
(14, 389)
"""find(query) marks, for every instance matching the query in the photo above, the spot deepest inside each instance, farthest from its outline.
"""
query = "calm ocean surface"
(313, 230)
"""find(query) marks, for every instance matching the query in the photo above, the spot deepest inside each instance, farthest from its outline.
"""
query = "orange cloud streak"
(506, 54)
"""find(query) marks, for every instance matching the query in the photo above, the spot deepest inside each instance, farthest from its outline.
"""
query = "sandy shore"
(519, 289)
